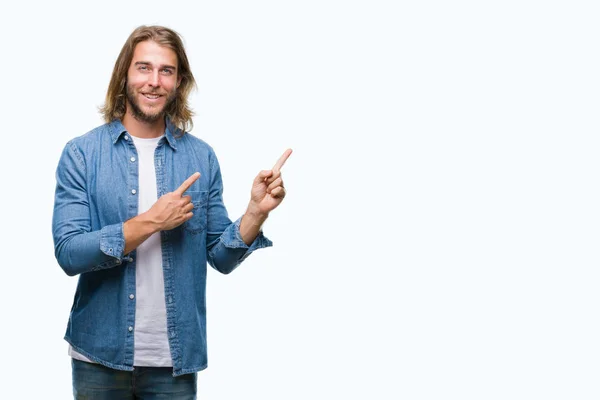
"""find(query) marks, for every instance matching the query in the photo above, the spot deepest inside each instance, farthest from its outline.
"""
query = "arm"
(77, 248)
(229, 244)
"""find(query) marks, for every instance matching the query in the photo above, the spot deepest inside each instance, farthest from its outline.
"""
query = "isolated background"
(440, 235)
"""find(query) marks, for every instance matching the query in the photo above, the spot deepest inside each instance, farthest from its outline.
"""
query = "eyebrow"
(160, 67)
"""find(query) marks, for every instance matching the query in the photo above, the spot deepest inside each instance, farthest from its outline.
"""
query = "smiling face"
(151, 81)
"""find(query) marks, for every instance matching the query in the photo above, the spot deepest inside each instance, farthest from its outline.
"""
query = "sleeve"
(225, 247)
(76, 248)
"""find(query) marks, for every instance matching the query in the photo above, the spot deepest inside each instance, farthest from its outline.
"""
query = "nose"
(154, 79)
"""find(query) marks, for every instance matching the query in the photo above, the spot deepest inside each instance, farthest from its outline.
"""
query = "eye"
(143, 67)
(167, 71)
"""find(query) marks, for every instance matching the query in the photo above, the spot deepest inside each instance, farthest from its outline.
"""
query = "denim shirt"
(96, 188)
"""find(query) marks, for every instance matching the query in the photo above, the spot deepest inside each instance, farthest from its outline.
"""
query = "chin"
(153, 112)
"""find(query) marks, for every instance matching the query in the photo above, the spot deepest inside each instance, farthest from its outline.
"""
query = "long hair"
(179, 112)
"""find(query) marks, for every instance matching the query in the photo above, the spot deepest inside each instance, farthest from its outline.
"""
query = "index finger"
(187, 183)
(282, 160)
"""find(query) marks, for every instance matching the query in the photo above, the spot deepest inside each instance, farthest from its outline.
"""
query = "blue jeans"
(95, 381)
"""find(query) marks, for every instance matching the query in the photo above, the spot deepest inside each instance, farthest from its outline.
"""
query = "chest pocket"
(197, 223)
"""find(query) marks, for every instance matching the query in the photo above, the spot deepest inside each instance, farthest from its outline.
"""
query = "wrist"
(251, 224)
(149, 223)
(256, 215)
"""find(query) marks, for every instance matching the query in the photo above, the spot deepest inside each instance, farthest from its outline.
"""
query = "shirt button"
(126, 137)
(132, 159)
(130, 328)
(133, 191)
(131, 296)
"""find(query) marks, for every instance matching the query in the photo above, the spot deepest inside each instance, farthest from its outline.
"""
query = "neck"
(146, 130)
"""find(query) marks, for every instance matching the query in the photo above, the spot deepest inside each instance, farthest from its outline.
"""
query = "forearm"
(79, 252)
(137, 230)
(251, 224)
(105, 248)
(229, 244)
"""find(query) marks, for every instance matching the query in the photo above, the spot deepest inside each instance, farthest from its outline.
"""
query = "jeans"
(95, 381)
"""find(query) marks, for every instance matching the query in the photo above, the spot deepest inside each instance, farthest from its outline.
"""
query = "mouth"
(151, 96)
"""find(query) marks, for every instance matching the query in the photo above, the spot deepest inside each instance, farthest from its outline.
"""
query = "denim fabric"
(96, 187)
(97, 382)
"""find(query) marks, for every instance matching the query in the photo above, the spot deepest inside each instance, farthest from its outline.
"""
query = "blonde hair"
(179, 112)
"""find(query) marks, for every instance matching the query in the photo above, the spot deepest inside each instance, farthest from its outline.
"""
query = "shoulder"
(84, 147)
(92, 138)
(190, 142)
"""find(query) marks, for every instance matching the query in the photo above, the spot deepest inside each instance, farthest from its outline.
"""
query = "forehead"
(154, 53)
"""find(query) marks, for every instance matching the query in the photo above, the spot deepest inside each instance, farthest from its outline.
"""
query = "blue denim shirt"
(96, 191)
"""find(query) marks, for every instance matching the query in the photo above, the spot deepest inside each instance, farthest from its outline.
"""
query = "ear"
(178, 82)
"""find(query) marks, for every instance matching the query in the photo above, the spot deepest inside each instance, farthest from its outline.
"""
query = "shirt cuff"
(112, 240)
(233, 238)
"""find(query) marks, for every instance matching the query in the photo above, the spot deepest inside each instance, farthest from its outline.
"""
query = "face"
(152, 81)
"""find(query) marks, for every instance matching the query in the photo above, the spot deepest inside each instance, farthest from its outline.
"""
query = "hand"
(173, 209)
(268, 190)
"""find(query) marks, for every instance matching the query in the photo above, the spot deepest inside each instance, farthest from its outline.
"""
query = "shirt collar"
(117, 130)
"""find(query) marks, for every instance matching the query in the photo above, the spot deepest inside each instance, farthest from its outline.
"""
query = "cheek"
(169, 85)
(135, 81)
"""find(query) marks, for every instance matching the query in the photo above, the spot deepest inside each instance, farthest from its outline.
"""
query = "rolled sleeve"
(233, 238)
(231, 249)
(112, 241)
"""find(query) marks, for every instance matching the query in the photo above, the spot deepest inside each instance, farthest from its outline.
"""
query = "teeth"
(152, 96)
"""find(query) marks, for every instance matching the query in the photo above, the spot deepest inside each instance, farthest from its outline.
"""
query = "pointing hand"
(173, 209)
(267, 189)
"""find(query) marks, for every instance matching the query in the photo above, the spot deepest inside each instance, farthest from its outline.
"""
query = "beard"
(139, 114)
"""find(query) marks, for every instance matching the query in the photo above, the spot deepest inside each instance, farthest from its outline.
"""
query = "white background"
(440, 235)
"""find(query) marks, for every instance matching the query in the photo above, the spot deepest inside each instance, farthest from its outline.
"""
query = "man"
(138, 214)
